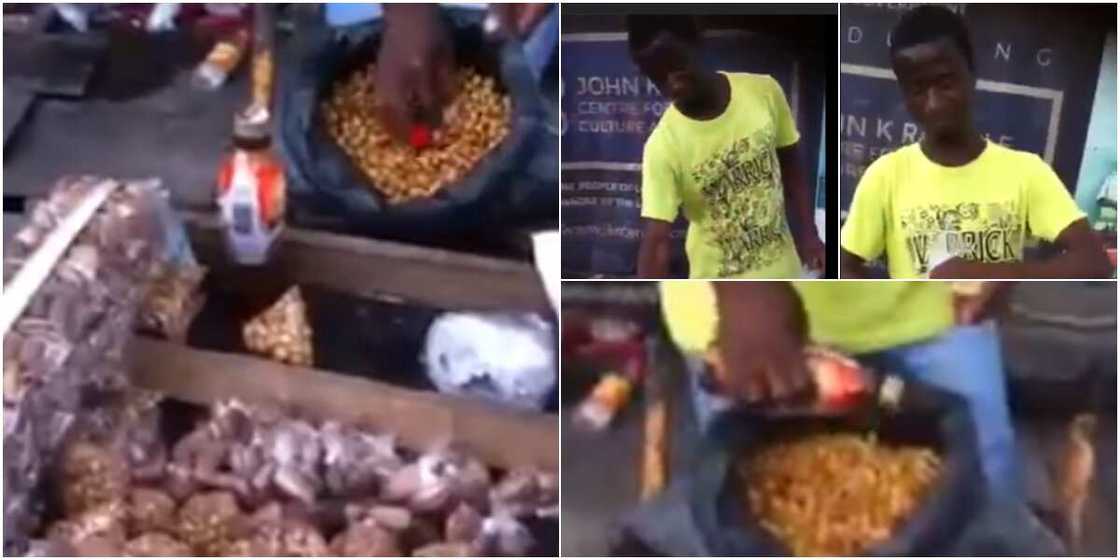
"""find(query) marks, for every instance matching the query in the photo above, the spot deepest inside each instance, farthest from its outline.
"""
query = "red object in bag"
(841, 382)
(420, 137)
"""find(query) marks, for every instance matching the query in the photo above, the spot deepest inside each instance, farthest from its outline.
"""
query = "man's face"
(937, 86)
(672, 66)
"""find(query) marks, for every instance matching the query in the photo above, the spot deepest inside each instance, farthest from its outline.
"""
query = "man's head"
(665, 50)
(931, 54)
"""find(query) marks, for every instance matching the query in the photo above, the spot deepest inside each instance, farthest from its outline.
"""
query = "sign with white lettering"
(1036, 65)
(608, 110)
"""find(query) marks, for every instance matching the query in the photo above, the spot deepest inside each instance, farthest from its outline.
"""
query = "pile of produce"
(172, 300)
(282, 332)
(257, 481)
(835, 494)
(475, 120)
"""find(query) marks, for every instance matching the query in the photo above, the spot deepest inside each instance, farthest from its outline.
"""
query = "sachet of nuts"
(282, 332)
(835, 494)
(173, 300)
(249, 481)
(474, 122)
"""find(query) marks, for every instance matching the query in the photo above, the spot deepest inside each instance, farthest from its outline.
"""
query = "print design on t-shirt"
(989, 232)
(741, 186)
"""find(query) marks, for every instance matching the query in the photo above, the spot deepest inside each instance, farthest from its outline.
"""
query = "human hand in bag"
(415, 69)
(759, 351)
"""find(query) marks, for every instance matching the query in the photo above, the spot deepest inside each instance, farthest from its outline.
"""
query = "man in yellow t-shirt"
(955, 205)
(907, 328)
(725, 151)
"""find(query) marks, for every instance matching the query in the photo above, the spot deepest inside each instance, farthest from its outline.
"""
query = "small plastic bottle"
(609, 396)
(252, 191)
(221, 62)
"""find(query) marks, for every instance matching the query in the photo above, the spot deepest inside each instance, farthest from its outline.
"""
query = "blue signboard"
(874, 121)
(608, 111)
(1033, 64)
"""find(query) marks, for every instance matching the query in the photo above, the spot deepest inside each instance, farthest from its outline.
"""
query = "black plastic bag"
(701, 512)
(326, 182)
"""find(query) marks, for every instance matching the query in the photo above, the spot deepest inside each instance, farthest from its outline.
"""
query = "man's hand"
(415, 68)
(851, 265)
(1082, 256)
(811, 251)
(954, 268)
(761, 340)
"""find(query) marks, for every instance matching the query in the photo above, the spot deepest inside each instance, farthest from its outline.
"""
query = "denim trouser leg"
(966, 361)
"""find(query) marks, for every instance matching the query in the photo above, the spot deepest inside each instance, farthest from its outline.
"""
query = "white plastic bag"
(507, 358)
(546, 254)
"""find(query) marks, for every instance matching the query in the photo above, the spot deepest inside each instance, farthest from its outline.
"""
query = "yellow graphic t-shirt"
(725, 174)
(922, 213)
(853, 317)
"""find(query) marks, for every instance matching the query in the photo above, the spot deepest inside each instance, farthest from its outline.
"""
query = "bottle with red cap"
(838, 385)
(252, 192)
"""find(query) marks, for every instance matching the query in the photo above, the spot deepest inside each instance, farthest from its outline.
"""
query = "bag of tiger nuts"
(348, 174)
(68, 349)
(903, 483)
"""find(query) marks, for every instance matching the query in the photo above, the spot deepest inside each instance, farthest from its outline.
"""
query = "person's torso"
(853, 317)
(976, 211)
(731, 187)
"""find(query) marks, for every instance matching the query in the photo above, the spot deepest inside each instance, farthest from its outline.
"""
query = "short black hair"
(929, 23)
(642, 29)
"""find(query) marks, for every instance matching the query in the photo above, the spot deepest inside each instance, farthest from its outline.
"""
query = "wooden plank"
(656, 422)
(499, 436)
(655, 448)
(365, 267)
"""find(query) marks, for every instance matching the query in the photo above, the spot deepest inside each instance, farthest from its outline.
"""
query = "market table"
(140, 117)
(398, 290)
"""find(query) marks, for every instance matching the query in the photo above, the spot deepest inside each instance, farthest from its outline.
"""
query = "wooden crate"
(361, 267)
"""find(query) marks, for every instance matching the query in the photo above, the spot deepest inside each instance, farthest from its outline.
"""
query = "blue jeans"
(965, 361)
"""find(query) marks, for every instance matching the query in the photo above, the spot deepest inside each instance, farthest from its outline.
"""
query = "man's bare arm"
(653, 253)
(798, 197)
(796, 188)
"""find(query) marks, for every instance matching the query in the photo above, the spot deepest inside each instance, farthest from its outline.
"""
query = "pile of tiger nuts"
(282, 331)
(172, 300)
(836, 494)
(475, 121)
(259, 481)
